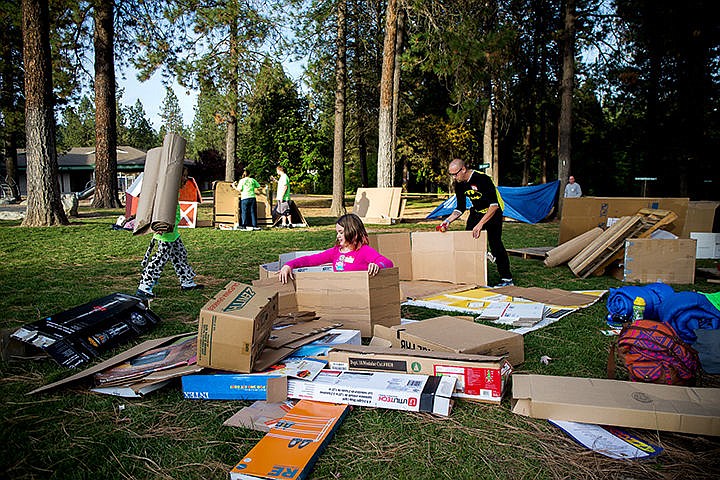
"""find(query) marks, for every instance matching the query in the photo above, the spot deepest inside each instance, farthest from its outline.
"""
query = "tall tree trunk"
(362, 146)
(106, 188)
(43, 202)
(232, 118)
(396, 90)
(527, 154)
(490, 144)
(337, 207)
(385, 137)
(566, 97)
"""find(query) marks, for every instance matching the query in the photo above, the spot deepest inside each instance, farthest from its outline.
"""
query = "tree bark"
(106, 188)
(385, 137)
(396, 91)
(43, 202)
(337, 207)
(232, 120)
(566, 98)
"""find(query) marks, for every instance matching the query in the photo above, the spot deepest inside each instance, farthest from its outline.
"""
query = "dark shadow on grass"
(320, 221)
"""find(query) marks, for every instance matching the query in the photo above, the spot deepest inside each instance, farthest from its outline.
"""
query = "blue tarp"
(527, 204)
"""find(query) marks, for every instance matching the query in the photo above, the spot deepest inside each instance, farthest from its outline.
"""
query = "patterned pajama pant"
(167, 251)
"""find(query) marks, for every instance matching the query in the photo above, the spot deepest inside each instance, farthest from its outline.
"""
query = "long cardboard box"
(232, 386)
(397, 391)
(234, 326)
(479, 378)
(614, 402)
(292, 446)
(649, 260)
(585, 213)
(452, 334)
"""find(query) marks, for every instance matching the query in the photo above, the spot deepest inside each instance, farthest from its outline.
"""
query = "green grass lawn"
(73, 433)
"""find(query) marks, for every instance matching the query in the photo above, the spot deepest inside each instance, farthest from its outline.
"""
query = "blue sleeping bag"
(689, 311)
(620, 300)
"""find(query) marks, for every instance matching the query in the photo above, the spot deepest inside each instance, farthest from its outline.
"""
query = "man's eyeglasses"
(456, 173)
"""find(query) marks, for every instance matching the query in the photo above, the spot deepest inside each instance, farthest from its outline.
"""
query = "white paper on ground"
(609, 441)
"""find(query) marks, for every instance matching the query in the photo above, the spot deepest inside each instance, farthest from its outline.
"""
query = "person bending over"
(350, 253)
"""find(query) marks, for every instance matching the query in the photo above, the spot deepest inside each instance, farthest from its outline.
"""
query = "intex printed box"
(397, 391)
(479, 378)
(234, 326)
(227, 386)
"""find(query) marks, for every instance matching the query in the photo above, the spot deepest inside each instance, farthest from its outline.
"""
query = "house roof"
(83, 158)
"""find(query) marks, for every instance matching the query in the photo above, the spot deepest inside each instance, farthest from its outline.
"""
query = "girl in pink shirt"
(350, 253)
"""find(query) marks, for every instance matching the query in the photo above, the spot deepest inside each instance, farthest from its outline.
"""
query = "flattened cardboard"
(585, 213)
(378, 205)
(648, 260)
(451, 334)
(260, 416)
(614, 402)
(454, 257)
(291, 447)
(396, 391)
(700, 217)
(111, 362)
(552, 296)
(416, 289)
(234, 325)
(283, 343)
(479, 378)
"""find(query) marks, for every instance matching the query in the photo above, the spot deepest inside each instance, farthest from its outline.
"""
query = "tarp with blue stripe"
(527, 204)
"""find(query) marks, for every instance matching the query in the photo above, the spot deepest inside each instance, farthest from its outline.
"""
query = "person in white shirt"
(572, 189)
(283, 197)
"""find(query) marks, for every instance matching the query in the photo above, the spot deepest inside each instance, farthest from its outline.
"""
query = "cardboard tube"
(144, 213)
(563, 253)
(168, 184)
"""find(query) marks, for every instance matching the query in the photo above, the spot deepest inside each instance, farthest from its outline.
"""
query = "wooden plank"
(538, 253)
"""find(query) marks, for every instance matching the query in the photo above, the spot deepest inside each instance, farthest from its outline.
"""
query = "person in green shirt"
(170, 248)
(248, 203)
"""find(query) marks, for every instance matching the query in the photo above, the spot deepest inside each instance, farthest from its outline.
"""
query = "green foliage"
(139, 133)
(77, 126)
(171, 115)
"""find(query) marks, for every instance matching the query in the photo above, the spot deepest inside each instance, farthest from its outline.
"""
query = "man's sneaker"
(505, 282)
(144, 295)
(194, 286)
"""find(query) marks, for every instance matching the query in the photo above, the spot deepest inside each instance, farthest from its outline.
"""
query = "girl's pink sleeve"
(328, 256)
(370, 255)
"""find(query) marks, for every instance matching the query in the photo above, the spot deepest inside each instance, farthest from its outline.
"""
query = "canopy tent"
(527, 204)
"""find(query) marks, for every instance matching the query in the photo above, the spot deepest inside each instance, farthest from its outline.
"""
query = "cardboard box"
(234, 325)
(396, 391)
(708, 244)
(320, 348)
(355, 299)
(260, 416)
(700, 217)
(452, 334)
(232, 386)
(293, 444)
(585, 213)
(623, 404)
(649, 260)
(479, 378)
(283, 342)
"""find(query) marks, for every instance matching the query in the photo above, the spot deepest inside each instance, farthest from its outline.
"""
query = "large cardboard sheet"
(378, 205)
(614, 402)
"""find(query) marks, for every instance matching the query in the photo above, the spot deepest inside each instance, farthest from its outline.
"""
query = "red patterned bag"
(653, 352)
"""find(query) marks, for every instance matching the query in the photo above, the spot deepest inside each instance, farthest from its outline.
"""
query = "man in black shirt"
(486, 212)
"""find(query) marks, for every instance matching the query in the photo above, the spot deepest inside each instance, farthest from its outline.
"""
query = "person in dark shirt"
(486, 212)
